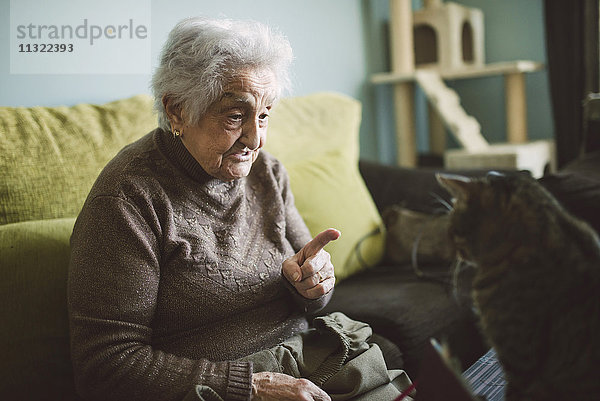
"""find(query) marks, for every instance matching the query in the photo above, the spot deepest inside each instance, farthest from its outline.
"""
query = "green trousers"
(336, 355)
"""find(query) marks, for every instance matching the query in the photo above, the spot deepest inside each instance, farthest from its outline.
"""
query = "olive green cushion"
(51, 156)
(33, 293)
(316, 138)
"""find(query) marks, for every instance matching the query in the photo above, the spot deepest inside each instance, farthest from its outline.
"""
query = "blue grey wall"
(327, 38)
(514, 30)
(338, 44)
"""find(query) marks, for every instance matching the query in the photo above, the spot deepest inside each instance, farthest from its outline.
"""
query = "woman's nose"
(251, 135)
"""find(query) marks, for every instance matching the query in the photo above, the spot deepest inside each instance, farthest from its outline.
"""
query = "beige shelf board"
(502, 68)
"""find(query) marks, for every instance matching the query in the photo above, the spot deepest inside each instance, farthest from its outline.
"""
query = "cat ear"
(457, 185)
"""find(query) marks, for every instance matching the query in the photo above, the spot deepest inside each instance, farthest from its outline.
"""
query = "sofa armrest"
(413, 188)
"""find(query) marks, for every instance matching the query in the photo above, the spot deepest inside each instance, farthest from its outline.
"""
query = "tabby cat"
(537, 284)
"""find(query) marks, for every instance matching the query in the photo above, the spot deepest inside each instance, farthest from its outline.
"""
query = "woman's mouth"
(242, 155)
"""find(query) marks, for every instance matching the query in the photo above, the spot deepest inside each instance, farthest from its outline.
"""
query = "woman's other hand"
(310, 270)
(269, 386)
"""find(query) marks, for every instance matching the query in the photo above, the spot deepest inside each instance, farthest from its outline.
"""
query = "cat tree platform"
(535, 156)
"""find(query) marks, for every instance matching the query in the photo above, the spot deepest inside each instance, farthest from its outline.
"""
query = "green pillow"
(51, 156)
(33, 293)
(316, 139)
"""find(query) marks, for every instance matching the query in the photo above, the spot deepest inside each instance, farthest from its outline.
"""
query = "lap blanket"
(336, 355)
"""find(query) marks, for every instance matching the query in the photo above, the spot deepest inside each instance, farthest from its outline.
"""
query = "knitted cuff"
(239, 385)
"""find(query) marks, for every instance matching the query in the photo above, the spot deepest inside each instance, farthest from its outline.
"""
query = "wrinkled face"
(229, 136)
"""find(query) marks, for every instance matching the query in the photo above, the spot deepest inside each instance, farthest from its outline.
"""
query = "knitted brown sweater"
(174, 275)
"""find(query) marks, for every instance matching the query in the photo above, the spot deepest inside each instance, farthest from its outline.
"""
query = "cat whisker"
(413, 256)
(440, 210)
(458, 266)
(415, 264)
(442, 201)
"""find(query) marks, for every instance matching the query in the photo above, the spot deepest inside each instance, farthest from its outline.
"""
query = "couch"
(50, 156)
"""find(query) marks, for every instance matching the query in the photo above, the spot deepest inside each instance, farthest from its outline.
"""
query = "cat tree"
(446, 41)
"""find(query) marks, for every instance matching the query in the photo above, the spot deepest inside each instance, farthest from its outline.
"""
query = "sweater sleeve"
(114, 277)
(298, 235)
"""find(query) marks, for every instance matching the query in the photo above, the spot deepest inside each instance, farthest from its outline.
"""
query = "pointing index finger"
(313, 246)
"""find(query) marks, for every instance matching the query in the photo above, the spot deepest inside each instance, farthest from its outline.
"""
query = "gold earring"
(176, 133)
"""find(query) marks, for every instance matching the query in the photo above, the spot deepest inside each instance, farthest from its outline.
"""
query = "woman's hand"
(310, 270)
(269, 386)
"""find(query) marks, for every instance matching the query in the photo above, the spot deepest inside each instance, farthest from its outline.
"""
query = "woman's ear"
(174, 113)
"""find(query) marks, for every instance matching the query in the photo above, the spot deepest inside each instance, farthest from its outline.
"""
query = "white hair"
(201, 56)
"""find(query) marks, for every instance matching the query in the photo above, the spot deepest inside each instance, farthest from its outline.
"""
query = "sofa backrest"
(50, 156)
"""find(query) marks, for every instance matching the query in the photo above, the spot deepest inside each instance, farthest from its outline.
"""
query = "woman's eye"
(235, 119)
(263, 116)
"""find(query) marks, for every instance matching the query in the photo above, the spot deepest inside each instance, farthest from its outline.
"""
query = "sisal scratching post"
(401, 38)
(516, 107)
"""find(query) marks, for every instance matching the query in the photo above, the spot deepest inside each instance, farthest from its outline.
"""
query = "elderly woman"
(189, 253)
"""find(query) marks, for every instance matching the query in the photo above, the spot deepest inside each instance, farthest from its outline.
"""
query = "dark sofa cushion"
(412, 188)
(415, 189)
(409, 310)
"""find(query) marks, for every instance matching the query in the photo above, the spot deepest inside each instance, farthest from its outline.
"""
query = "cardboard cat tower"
(448, 36)
(446, 41)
